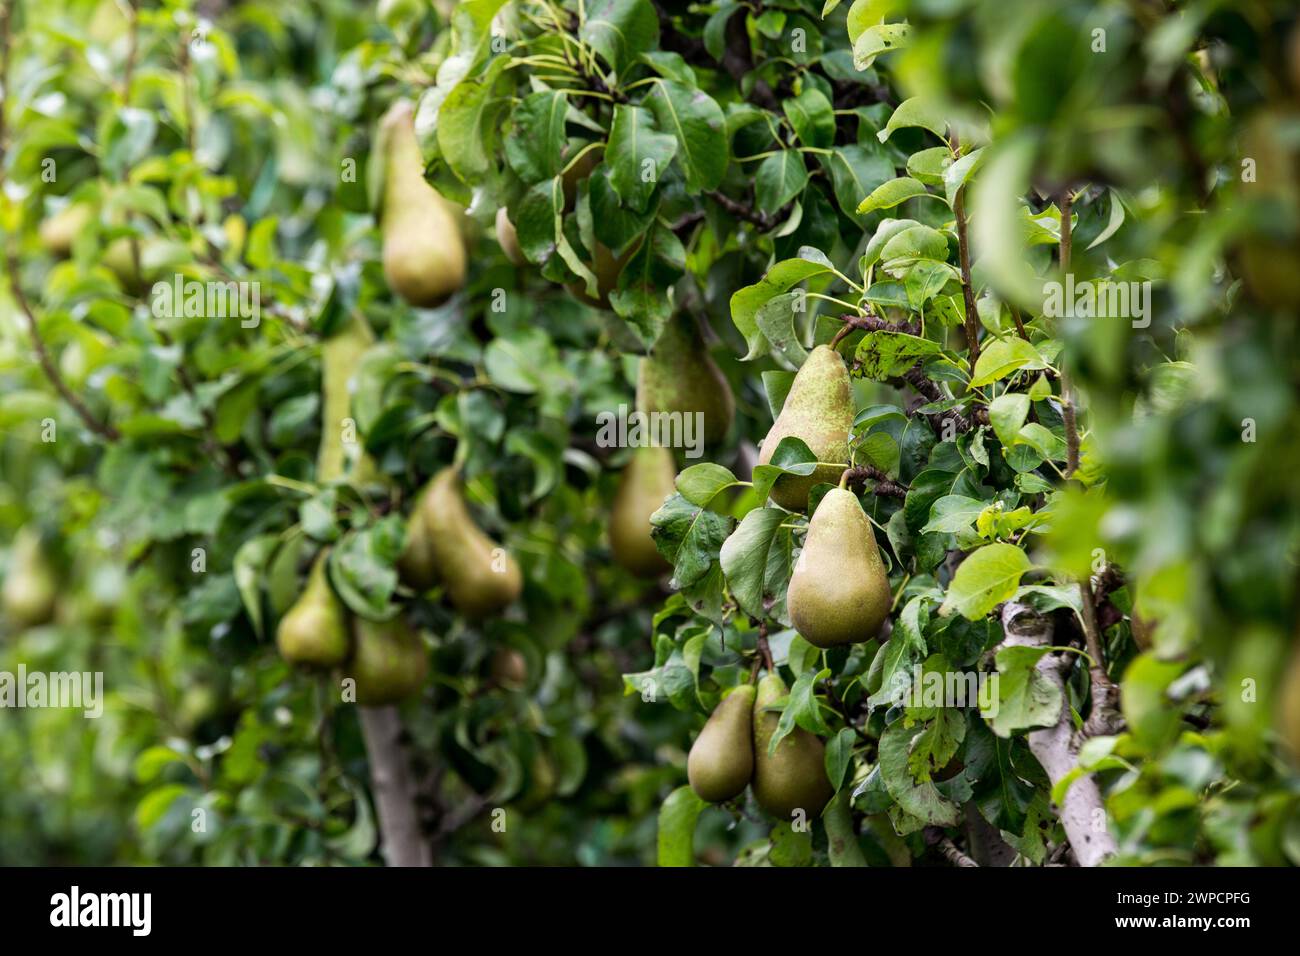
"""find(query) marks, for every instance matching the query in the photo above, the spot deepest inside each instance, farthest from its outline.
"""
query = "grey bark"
(401, 840)
(1082, 813)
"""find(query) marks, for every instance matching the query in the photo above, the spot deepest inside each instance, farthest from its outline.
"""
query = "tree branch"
(1067, 391)
(884, 484)
(1082, 813)
(967, 287)
(402, 842)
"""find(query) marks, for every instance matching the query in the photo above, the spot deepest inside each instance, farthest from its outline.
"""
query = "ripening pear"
(60, 231)
(1288, 705)
(722, 758)
(645, 483)
(314, 632)
(839, 592)
(508, 668)
(389, 662)
(793, 778)
(416, 566)
(508, 238)
(424, 256)
(30, 585)
(1270, 250)
(341, 354)
(481, 577)
(679, 375)
(818, 410)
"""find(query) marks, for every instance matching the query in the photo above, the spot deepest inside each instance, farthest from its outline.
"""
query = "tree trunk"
(402, 842)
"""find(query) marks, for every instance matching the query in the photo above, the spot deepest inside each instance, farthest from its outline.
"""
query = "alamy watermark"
(634, 429)
(921, 688)
(192, 299)
(1103, 299)
(78, 690)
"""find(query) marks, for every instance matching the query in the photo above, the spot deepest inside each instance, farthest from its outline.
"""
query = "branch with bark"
(1082, 812)
(402, 840)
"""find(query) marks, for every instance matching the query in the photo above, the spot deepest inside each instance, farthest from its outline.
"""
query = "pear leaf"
(677, 818)
(985, 579)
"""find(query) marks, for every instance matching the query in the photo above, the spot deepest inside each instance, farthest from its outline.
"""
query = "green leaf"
(839, 754)
(953, 513)
(620, 30)
(841, 833)
(985, 579)
(956, 175)
(696, 120)
(890, 194)
(929, 165)
(755, 560)
(884, 354)
(812, 117)
(878, 39)
(535, 145)
(677, 818)
(689, 537)
(779, 178)
(919, 111)
(782, 277)
(249, 572)
(776, 319)
(1026, 698)
(637, 155)
(153, 761)
(156, 803)
(1001, 357)
(921, 800)
(856, 170)
(1006, 414)
(641, 297)
(700, 484)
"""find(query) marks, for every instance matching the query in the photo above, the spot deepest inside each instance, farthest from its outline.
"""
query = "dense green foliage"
(896, 179)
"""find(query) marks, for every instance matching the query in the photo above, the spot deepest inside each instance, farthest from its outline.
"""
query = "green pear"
(423, 255)
(481, 577)
(508, 668)
(508, 238)
(838, 593)
(645, 483)
(679, 375)
(1268, 254)
(819, 410)
(389, 662)
(30, 586)
(60, 231)
(722, 758)
(793, 778)
(314, 632)
(341, 354)
(607, 268)
(416, 565)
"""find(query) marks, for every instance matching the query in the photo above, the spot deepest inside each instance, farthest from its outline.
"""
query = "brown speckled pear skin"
(314, 632)
(819, 410)
(794, 777)
(646, 481)
(679, 375)
(423, 254)
(839, 592)
(722, 758)
(1288, 705)
(481, 577)
(389, 662)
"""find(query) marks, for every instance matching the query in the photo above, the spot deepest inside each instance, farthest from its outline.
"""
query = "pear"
(389, 661)
(794, 778)
(508, 668)
(1268, 254)
(314, 632)
(416, 565)
(838, 593)
(123, 257)
(480, 576)
(722, 758)
(679, 375)
(423, 256)
(645, 483)
(607, 268)
(341, 353)
(508, 238)
(30, 586)
(1288, 712)
(819, 410)
(60, 230)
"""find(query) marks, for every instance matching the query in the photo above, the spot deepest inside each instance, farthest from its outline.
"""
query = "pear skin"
(314, 632)
(508, 668)
(839, 592)
(818, 410)
(60, 231)
(722, 758)
(30, 586)
(389, 662)
(481, 577)
(508, 238)
(645, 483)
(423, 254)
(679, 375)
(341, 353)
(416, 565)
(793, 778)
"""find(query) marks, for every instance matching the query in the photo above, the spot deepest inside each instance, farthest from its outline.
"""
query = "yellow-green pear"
(341, 354)
(30, 586)
(389, 661)
(314, 632)
(793, 778)
(481, 577)
(61, 230)
(508, 238)
(679, 375)
(839, 592)
(645, 483)
(416, 565)
(818, 410)
(508, 668)
(721, 760)
(423, 255)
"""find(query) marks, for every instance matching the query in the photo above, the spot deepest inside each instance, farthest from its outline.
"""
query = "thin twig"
(967, 286)
(884, 484)
(1067, 392)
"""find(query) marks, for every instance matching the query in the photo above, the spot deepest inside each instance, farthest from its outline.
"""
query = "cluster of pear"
(839, 592)
(30, 586)
(387, 659)
(677, 377)
(731, 753)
